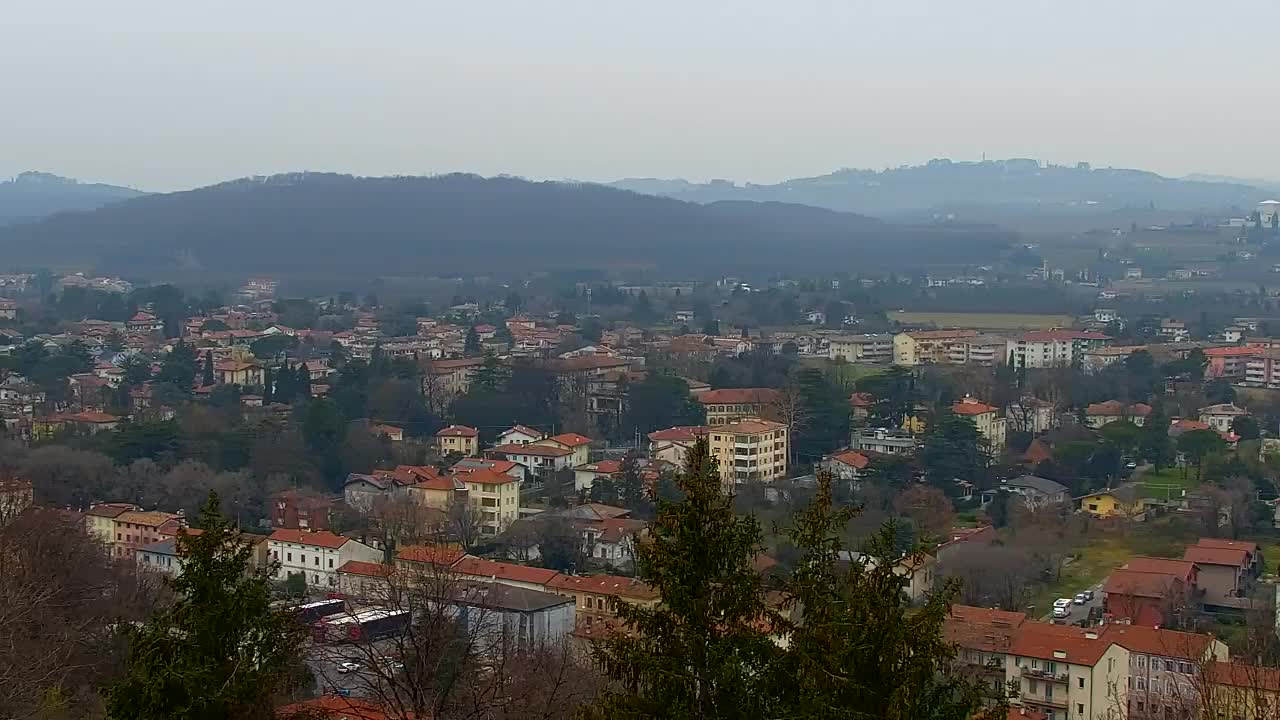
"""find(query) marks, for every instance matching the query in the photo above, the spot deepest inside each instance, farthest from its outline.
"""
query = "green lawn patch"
(1168, 483)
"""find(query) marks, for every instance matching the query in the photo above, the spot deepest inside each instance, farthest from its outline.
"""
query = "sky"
(165, 95)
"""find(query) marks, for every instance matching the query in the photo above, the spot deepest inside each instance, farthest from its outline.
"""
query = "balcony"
(1057, 701)
(1042, 674)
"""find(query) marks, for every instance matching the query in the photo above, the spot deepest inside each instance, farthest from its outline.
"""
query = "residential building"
(144, 323)
(1263, 369)
(861, 348)
(731, 405)
(672, 445)
(593, 595)
(1239, 691)
(1229, 362)
(521, 576)
(1031, 415)
(1098, 414)
(1174, 330)
(1053, 348)
(584, 476)
(1036, 492)
(612, 541)
(238, 372)
(987, 419)
(297, 509)
(750, 450)
(440, 491)
(446, 379)
(1121, 501)
(1154, 592)
(8, 309)
(134, 529)
(540, 460)
(1096, 359)
(496, 496)
(519, 435)
(1067, 673)
(921, 347)
(983, 638)
(505, 467)
(161, 556)
(100, 521)
(1253, 553)
(578, 445)
(498, 617)
(845, 465)
(920, 571)
(390, 432)
(1164, 669)
(317, 555)
(92, 422)
(1224, 574)
(883, 441)
(983, 350)
(361, 492)
(459, 439)
(1220, 417)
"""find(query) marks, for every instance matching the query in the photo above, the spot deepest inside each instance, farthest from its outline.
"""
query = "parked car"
(1080, 599)
(1088, 595)
(1061, 607)
(348, 667)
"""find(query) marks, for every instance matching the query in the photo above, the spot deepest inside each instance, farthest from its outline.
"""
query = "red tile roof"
(1231, 351)
(680, 433)
(1246, 545)
(982, 629)
(1158, 641)
(91, 416)
(1042, 640)
(320, 538)
(862, 399)
(365, 569)
(476, 567)
(1062, 335)
(571, 439)
(738, 396)
(852, 458)
(1140, 584)
(1234, 557)
(750, 426)
(611, 585)
(540, 450)
(443, 555)
(1181, 569)
(458, 431)
(484, 476)
(1241, 675)
(332, 707)
(1116, 408)
(970, 406)
(604, 467)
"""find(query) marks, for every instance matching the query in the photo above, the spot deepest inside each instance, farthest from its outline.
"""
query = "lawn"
(985, 321)
(1167, 483)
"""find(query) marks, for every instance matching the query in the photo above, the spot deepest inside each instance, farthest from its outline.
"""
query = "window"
(1142, 661)
(289, 557)
(302, 559)
(317, 560)
(1033, 686)
(1142, 683)
(330, 563)
(1080, 682)
(1080, 708)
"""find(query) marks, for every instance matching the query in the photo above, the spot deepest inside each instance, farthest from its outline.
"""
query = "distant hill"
(309, 223)
(943, 186)
(33, 195)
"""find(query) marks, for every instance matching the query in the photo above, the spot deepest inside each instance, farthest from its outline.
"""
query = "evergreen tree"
(826, 416)
(1154, 443)
(471, 346)
(859, 653)
(954, 449)
(268, 382)
(219, 651)
(490, 377)
(701, 653)
(207, 380)
(179, 367)
(285, 390)
(302, 378)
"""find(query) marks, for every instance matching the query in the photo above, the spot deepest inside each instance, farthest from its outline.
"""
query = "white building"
(861, 348)
(317, 555)
(1053, 348)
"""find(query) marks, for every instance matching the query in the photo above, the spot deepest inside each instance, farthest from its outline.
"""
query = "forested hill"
(324, 223)
(34, 195)
(943, 185)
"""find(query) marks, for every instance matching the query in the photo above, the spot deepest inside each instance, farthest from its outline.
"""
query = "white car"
(1061, 607)
(348, 667)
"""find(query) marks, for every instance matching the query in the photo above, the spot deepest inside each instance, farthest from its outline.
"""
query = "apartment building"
(1164, 666)
(861, 348)
(593, 595)
(458, 439)
(921, 347)
(984, 350)
(1229, 362)
(1053, 348)
(750, 450)
(316, 555)
(1263, 369)
(134, 529)
(883, 441)
(1067, 673)
(733, 404)
(984, 638)
(987, 419)
(495, 495)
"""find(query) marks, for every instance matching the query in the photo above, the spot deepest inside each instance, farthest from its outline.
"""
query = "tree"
(471, 345)
(859, 652)
(268, 387)
(322, 425)
(954, 449)
(928, 507)
(220, 650)
(1246, 427)
(179, 367)
(207, 378)
(895, 395)
(1219, 391)
(1196, 445)
(659, 401)
(826, 414)
(137, 370)
(1123, 434)
(700, 653)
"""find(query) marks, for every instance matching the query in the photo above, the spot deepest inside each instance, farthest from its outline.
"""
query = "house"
(1224, 574)
(1178, 426)
(845, 465)
(134, 529)
(100, 521)
(1164, 668)
(594, 595)
(987, 419)
(883, 441)
(919, 569)
(445, 379)
(1121, 501)
(733, 404)
(1098, 414)
(923, 347)
(1036, 492)
(964, 536)
(361, 492)
(161, 556)
(144, 323)
(238, 372)
(1067, 672)
(541, 460)
(1144, 598)
(505, 467)
(1053, 348)
(92, 422)
(861, 348)
(497, 617)
(519, 435)
(584, 476)
(297, 509)
(521, 576)
(578, 445)
(495, 496)
(750, 450)
(1220, 417)
(438, 491)
(673, 444)
(1242, 692)
(1253, 552)
(317, 555)
(458, 439)
(1031, 415)
(860, 404)
(983, 638)
(612, 541)
(1229, 362)
(390, 432)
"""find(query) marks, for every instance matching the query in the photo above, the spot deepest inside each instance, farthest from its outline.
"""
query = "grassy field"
(1168, 483)
(1094, 563)
(985, 321)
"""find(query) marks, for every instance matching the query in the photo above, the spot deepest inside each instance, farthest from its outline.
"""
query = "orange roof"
(611, 585)
(366, 569)
(686, 433)
(149, 519)
(331, 707)
(750, 425)
(1117, 408)
(1038, 451)
(1243, 676)
(1246, 545)
(1231, 351)
(1234, 557)
(543, 450)
(605, 467)
(484, 476)
(321, 538)
(970, 406)
(851, 458)
(738, 396)
(571, 439)
(1042, 640)
(458, 431)
(982, 629)
(1062, 335)
(1158, 641)
(862, 399)
(477, 567)
(1182, 569)
(498, 466)
(1140, 584)
(91, 416)
(523, 430)
(444, 555)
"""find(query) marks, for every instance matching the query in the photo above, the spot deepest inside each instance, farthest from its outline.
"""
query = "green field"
(1166, 484)
(985, 321)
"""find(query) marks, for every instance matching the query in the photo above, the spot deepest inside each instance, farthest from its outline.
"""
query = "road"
(1079, 612)
(324, 660)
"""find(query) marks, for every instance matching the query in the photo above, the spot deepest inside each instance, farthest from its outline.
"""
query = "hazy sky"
(172, 94)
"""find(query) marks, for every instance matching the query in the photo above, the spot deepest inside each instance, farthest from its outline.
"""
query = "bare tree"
(464, 522)
(928, 507)
(994, 575)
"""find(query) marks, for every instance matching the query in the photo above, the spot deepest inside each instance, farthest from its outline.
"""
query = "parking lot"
(1076, 613)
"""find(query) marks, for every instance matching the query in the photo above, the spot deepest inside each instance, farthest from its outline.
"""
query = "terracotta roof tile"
(540, 450)
(476, 567)
(322, 538)
(1158, 641)
(1234, 557)
(1045, 641)
(458, 431)
(365, 569)
(610, 585)
(738, 396)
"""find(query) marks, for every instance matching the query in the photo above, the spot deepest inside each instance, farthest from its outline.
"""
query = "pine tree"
(267, 389)
(208, 380)
(285, 390)
(219, 651)
(303, 380)
(858, 653)
(701, 653)
(471, 345)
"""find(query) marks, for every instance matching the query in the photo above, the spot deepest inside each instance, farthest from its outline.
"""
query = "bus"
(372, 624)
